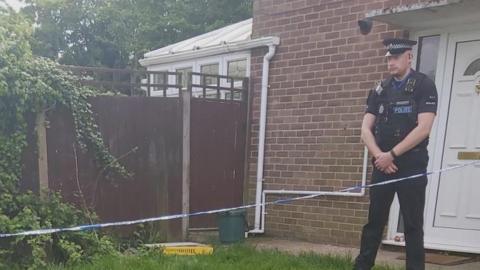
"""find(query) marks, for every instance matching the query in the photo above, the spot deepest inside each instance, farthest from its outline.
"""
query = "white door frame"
(434, 237)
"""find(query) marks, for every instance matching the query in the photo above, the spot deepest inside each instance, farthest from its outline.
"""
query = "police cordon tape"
(178, 216)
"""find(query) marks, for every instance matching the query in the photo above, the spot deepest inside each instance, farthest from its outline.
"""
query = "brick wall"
(319, 80)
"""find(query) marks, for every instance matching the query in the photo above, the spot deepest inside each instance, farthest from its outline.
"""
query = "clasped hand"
(384, 163)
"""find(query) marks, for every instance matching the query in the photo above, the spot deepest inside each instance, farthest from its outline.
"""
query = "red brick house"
(318, 80)
(310, 70)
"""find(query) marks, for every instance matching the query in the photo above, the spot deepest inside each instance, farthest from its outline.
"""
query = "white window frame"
(237, 57)
(209, 61)
(195, 64)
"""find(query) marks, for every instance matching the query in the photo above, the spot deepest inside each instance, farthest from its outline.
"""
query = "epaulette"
(410, 86)
(381, 85)
(415, 80)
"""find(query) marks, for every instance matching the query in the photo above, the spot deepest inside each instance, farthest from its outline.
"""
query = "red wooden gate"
(218, 141)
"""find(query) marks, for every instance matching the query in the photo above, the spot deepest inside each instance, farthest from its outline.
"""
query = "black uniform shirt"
(426, 98)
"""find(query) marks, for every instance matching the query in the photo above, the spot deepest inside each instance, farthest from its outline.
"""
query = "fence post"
(133, 79)
(149, 82)
(41, 130)
(185, 97)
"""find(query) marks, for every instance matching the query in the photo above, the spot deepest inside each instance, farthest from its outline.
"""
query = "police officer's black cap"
(398, 45)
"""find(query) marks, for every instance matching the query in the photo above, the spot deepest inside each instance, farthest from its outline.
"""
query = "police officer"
(396, 126)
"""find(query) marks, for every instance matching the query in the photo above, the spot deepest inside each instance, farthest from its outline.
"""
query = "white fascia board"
(209, 51)
(408, 8)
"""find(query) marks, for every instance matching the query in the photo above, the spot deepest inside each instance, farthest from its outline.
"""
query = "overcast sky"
(14, 3)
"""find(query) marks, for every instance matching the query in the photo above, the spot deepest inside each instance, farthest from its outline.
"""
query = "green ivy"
(28, 85)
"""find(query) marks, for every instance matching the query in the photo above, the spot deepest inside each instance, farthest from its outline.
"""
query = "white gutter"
(261, 136)
(210, 51)
(261, 229)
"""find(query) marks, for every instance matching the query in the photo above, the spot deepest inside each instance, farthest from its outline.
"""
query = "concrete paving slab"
(385, 257)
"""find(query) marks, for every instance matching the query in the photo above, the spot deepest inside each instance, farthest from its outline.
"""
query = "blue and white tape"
(178, 216)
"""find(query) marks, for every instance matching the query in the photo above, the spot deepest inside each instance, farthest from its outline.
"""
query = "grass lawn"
(235, 257)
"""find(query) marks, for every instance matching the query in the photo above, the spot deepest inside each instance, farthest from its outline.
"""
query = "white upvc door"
(458, 200)
(453, 218)
(452, 212)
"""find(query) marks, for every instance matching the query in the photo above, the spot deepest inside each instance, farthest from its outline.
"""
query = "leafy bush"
(28, 85)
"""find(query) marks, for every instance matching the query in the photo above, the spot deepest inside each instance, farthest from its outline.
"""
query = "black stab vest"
(397, 112)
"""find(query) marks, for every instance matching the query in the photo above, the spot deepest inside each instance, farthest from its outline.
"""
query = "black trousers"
(411, 195)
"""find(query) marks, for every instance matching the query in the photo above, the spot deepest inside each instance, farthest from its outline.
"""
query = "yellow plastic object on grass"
(183, 248)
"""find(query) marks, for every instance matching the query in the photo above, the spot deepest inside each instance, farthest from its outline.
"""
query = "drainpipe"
(261, 136)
